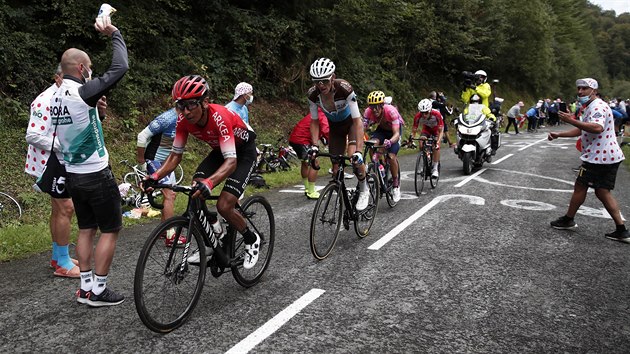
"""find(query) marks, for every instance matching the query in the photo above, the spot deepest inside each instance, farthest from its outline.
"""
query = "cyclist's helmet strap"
(322, 68)
(189, 87)
(376, 97)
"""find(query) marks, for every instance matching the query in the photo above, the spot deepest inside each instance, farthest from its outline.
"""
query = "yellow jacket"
(484, 91)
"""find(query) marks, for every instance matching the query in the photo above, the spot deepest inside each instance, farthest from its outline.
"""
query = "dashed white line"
(502, 159)
(275, 323)
(532, 144)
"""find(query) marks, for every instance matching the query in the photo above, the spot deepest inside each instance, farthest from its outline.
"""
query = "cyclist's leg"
(337, 140)
(353, 139)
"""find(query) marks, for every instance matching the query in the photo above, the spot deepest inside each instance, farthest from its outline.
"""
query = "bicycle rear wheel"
(419, 175)
(166, 288)
(259, 216)
(326, 221)
(10, 210)
(179, 174)
(389, 193)
(365, 218)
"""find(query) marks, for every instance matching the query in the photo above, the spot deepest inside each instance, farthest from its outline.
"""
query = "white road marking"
(527, 204)
(471, 177)
(532, 144)
(403, 225)
(275, 323)
(502, 159)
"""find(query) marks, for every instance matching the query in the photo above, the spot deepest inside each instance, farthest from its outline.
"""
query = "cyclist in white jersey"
(90, 181)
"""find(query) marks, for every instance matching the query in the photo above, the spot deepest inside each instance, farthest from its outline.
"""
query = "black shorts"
(301, 150)
(340, 134)
(598, 175)
(96, 200)
(245, 163)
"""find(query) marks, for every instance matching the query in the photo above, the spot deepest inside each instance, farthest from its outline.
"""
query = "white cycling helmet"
(482, 73)
(322, 68)
(425, 105)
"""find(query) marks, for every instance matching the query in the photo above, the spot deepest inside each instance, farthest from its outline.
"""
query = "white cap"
(388, 99)
(587, 82)
(241, 89)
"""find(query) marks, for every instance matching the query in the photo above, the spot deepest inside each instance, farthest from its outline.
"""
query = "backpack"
(257, 181)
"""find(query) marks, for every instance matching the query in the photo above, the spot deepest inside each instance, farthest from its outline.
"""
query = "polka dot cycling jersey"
(224, 130)
(39, 134)
(600, 148)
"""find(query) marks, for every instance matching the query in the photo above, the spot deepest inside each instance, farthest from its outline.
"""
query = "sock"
(568, 217)
(100, 283)
(86, 280)
(311, 187)
(55, 253)
(363, 185)
(396, 182)
(248, 236)
(63, 257)
(621, 228)
(435, 165)
(306, 183)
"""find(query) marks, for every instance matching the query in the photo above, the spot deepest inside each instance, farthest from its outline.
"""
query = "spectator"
(601, 157)
(512, 114)
(90, 181)
(39, 136)
(243, 97)
(532, 116)
(438, 101)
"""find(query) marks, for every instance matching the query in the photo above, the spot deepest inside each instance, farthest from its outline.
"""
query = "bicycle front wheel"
(259, 216)
(326, 221)
(365, 218)
(166, 287)
(418, 177)
(10, 210)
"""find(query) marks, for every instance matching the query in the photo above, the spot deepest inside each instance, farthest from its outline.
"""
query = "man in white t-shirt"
(601, 157)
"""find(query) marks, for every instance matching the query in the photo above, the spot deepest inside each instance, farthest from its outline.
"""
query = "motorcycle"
(474, 139)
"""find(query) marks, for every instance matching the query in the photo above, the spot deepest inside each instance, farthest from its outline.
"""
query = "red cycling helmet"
(192, 86)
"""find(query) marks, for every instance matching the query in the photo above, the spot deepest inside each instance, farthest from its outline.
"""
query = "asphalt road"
(472, 266)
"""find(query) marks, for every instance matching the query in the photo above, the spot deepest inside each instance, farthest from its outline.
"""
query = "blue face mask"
(583, 99)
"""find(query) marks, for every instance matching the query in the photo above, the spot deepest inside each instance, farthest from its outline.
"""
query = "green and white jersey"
(79, 130)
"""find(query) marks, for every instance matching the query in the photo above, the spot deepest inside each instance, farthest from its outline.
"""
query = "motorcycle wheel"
(467, 158)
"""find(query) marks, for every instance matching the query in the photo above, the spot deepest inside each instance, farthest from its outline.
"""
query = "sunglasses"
(376, 106)
(188, 104)
(322, 82)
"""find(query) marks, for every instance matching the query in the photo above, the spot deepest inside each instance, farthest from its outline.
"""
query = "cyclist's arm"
(396, 133)
(314, 131)
(143, 140)
(357, 124)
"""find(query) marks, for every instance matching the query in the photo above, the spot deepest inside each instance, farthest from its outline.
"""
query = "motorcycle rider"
(479, 87)
(432, 125)
(476, 107)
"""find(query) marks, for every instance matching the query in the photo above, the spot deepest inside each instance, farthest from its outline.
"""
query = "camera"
(470, 79)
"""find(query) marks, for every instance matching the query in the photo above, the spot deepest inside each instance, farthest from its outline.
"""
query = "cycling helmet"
(425, 105)
(482, 73)
(192, 86)
(376, 97)
(475, 98)
(322, 68)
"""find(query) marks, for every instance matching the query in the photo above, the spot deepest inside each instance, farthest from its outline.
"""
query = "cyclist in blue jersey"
(161, 132)
(337, 100)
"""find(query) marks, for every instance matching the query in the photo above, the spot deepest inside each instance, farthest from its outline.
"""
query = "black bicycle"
(424, 162)
(381, 170)
(336, 205)
(167, 285)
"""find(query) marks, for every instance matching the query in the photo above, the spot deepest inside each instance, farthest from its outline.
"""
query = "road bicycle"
(381, 170)
(10, 210)
(337, 205)
(134, 196)
(424, 162)
(167, 287)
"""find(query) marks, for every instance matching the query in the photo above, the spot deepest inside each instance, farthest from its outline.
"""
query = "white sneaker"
(364, 198)
(396, 194)
(251, 253)
(435, 173)
(194, 258)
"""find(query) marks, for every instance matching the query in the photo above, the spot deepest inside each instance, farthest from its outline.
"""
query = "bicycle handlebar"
(173, 187)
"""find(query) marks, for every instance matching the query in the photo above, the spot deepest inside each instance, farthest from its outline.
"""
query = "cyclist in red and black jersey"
(232, 158)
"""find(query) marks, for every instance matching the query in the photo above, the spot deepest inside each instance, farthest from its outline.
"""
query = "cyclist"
(300, 141)
(337, 100)
(479, 87)
(232, 159)
(154, 144)
(432, 126)
(388, 131)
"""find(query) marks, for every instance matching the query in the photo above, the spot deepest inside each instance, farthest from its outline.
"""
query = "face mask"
(250, 100)
(583, 99)
(89, 75)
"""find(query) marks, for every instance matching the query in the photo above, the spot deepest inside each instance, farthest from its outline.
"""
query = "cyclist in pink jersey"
(388, 131)
(432, 125)
(232, 158)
